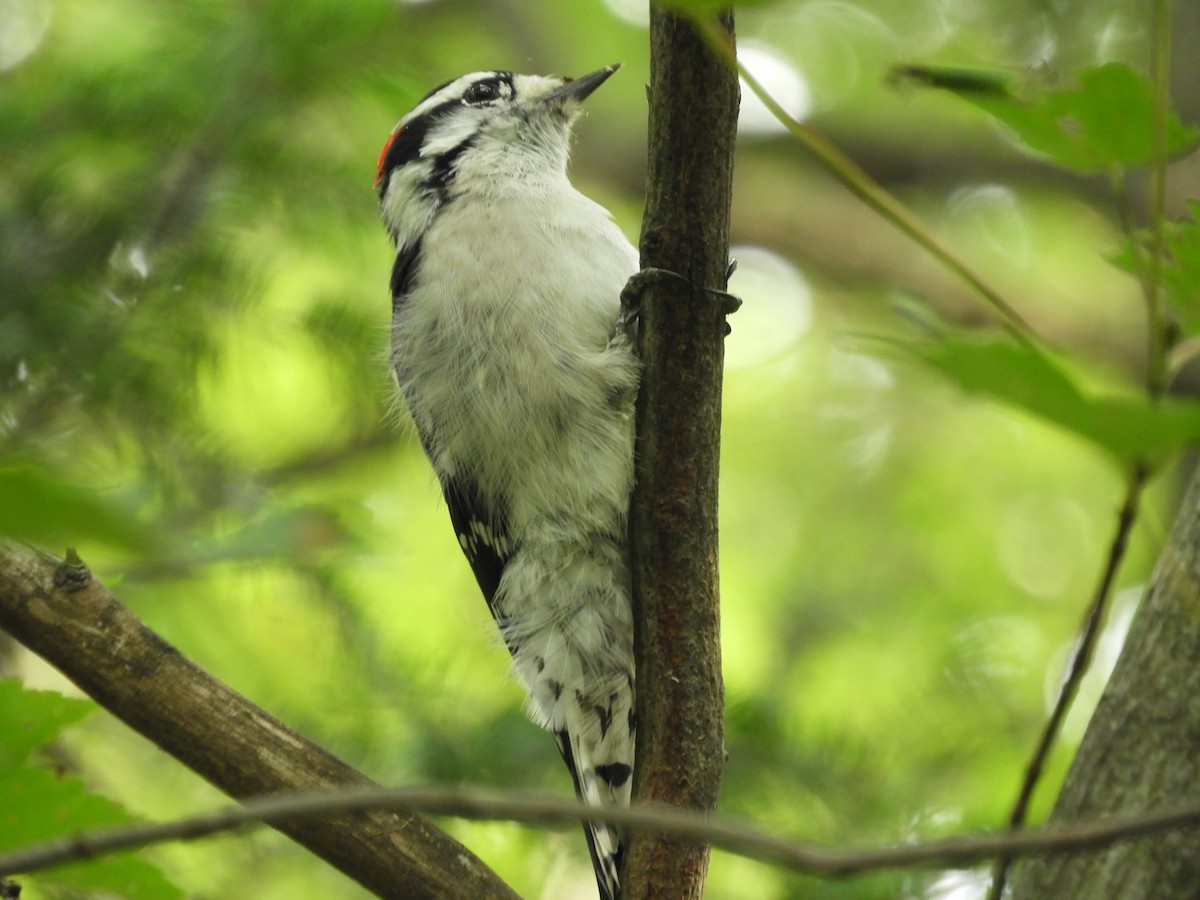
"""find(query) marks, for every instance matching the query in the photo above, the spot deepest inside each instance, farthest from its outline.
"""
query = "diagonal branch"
(853, 177)
(59, 611)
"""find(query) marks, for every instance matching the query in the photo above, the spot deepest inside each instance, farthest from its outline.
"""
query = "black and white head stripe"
(460, 113)
(408, 140)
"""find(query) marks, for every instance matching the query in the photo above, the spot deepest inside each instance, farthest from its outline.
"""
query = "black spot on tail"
(603, 884)
(616, 774)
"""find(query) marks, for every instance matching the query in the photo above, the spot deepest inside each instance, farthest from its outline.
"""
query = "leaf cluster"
(41, 801)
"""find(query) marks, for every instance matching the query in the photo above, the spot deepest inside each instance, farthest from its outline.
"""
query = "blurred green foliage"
(41, 805)
(1105, 120)
(1180, 266)
(193, 391)
(1132, 427)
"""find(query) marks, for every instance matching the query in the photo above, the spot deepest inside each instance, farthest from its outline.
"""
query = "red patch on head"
(383, 155)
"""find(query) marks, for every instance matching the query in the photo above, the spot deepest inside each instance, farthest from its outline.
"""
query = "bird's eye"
(482, 92)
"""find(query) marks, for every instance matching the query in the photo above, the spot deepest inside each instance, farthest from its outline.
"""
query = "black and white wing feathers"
(481, 534)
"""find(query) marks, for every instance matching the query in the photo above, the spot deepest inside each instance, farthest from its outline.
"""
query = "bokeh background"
(193, 390)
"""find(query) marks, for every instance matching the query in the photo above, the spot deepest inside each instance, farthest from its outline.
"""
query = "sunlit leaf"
(1106, 119)
(38, 805)
(1128, 426)
(32, 719)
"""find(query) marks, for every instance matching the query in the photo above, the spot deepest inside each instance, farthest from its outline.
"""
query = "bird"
(515, 358)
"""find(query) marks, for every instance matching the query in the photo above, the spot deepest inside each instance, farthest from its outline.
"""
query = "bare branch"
(59, 611)
(871, 192)
(721, 831)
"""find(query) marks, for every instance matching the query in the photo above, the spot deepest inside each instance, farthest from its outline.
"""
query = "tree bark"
(59, 611)
(1140, 750)
(680, 743)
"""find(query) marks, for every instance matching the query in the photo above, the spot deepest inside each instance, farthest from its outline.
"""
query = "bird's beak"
(580, 88)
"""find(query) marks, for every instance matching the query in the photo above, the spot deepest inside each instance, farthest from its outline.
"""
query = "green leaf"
(123, 875)
(32, 719)
(1180, 269)
(34, 506)
(38, 805)
(1129, 427)
(950, 78)
(1105, 120)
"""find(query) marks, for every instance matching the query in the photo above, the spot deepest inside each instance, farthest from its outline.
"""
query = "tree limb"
(59, 611)
(1140, 746)
(680, 750)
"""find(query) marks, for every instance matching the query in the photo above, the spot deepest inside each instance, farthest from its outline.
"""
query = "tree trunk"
(1142, 747)
(680, 742)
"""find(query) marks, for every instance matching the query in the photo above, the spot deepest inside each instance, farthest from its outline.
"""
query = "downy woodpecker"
(510, 351)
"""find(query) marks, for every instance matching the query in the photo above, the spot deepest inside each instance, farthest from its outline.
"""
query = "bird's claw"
(631, 295)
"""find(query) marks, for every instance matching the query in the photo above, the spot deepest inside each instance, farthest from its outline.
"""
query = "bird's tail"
(597, 746)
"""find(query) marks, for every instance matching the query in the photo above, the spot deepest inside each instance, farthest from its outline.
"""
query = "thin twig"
(871, 192)
(732, 835)
(1090, 630)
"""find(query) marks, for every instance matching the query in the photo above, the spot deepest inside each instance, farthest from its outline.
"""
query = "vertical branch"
(680, 749)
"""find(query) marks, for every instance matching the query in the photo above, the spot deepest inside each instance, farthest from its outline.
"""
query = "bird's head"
(488, 133)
